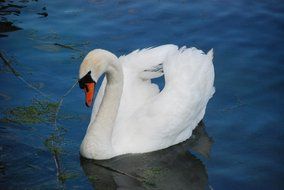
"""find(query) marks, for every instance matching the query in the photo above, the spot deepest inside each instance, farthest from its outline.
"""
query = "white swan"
(130, 115)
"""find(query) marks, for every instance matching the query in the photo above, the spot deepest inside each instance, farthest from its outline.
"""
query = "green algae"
(150, 175)
(53, 142)
(37, 112)
(66, 175)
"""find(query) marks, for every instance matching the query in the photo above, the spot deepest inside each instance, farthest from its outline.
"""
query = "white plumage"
(130, 115)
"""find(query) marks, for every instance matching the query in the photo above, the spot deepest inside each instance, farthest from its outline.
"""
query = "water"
(244, 118)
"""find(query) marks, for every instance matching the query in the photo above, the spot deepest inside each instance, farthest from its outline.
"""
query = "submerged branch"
(140, 179)
(61, 102)
(239, 103)
(17, 74)
(8, 63)
(55, 153)
(57, 165)
(66, 46)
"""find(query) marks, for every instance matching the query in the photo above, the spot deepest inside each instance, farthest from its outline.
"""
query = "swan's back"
(148, 119)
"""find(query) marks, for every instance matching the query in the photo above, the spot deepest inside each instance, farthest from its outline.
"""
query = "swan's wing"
(149, 60)
(170, 116)
(138, 69)
(189, 84)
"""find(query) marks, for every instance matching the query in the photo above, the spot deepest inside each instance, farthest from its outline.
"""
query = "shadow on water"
(172, 168)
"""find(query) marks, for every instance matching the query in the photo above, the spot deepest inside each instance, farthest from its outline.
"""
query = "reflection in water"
(8, 8)
(7, 27)
(14, 7)
(171, 168)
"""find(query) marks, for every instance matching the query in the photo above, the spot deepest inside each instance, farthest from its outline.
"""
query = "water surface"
(245, 117)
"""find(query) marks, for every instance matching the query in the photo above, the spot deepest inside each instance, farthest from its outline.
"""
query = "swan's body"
(130, 115)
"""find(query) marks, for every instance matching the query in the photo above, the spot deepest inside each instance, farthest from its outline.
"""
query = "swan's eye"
(86, 79)
(81, 85)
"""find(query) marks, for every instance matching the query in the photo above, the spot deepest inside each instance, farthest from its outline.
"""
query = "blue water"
(244, 118)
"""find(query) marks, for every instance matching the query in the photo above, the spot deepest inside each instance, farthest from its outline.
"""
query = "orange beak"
(89, 93)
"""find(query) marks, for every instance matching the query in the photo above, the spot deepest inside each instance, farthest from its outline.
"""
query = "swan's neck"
(97, 141)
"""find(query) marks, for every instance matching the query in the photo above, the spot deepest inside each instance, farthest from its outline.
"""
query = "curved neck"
(107, 112)
(99, 132)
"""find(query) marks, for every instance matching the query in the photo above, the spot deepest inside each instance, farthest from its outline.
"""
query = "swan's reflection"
(171, 168)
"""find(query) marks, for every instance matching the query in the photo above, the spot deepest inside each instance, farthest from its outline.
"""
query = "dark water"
(46, 41)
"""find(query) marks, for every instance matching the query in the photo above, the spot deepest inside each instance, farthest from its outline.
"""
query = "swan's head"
(93, 66)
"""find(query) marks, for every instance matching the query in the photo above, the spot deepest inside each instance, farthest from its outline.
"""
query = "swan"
(131, 114)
